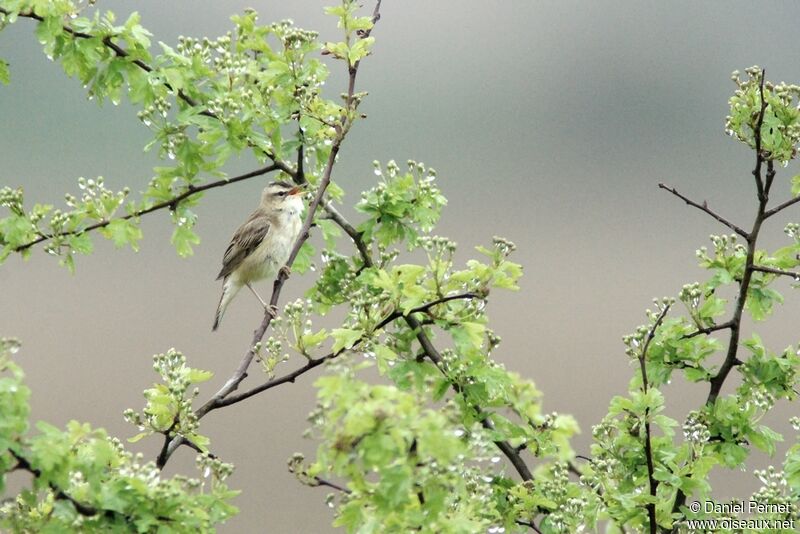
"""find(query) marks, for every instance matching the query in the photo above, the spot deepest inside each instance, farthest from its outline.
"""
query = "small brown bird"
(261, 246)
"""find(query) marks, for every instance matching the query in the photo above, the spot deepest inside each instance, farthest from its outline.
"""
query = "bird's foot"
(286, 271)
(272, 310)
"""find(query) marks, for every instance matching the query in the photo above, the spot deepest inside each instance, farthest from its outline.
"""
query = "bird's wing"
(244, 242)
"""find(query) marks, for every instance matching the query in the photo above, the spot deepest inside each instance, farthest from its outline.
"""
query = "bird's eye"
(281, 193)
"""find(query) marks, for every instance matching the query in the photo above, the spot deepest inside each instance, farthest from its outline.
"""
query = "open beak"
(295, 190)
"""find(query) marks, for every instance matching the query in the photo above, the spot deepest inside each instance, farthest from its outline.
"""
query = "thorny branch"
(704, 207)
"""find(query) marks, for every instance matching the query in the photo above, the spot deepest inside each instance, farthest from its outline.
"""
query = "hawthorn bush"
(447, 440)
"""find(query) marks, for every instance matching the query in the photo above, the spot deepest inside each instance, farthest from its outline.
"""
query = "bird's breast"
(273, 252)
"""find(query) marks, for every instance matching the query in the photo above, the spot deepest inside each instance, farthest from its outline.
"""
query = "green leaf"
(468, 335)
(345, 338)
(139, 436)
(796, 185)
(302, 263)
(196, 376)
(123, 232)
(5, 77)
(183, 237)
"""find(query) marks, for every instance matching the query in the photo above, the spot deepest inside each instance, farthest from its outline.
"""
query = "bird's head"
(282, 196)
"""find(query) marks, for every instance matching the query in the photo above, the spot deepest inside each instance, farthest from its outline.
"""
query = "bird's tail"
(229, 290)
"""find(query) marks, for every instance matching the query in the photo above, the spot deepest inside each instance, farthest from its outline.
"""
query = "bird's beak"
(296, 190)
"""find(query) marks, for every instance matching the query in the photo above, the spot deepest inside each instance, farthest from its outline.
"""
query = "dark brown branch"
(731, 358)
(83, 509)
(704, 207)
(781, 207)
(171, 203)
(773, 270)
(733, 344)
(430, 351)
(350, 230)
(708, 330)
(648, 447)
(757, 135)
(241, 371)
(328, 483)
(316, 362)
(528, 524)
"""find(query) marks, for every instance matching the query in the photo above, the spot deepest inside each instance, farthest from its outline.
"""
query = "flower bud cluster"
(774, 489)
(503, 246)
(160, 107)
(793, 231)
(210, 465)
(690, 295)
(11, 199)
(695, 429)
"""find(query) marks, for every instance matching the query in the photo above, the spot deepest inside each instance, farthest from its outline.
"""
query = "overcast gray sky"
(549, 123)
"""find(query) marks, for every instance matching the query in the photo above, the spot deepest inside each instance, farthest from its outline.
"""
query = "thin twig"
(328, 483)
(350, 230)
(316, 362)
(648, 446)
(170, 203)
(708, 330)
(704, 207)
(781, 207)
(773, 270)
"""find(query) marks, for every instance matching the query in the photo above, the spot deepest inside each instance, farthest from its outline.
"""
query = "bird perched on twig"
(261, 246)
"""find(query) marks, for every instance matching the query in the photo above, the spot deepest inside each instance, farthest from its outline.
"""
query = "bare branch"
(328, 483)
(773, 270)
(350, 230)
(706, 331)
(781, 207)
(704, 207)
(171, 203)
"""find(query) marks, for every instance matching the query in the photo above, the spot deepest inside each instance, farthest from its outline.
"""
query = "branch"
(83, 509)
(528, 524)
(316, 362)
(119, 52)
(781, 207)
(772, 270)
(708, 330)
(430, 351)
(171, 203)
(349, 229)
(704, 207)
(328, 483)
(733, 344)
(757, 134)
(648, 447)
(122, 53)
(241, 371)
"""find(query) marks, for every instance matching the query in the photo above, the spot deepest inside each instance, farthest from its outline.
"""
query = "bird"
(261, 246)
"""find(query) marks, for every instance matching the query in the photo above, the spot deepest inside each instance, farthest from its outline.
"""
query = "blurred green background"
(549, 123)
